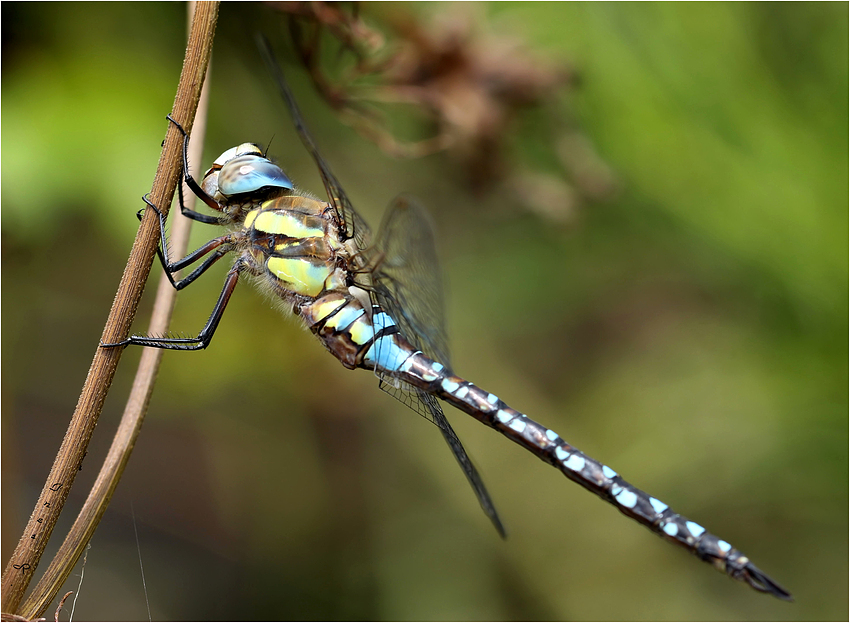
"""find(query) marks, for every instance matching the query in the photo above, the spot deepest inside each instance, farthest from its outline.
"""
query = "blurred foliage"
(691, 332)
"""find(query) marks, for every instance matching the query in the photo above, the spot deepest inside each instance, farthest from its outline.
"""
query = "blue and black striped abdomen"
(359, 336)
(372, 341)
(422, 372)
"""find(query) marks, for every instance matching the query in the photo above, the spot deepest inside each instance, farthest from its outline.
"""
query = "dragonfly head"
(243, 170)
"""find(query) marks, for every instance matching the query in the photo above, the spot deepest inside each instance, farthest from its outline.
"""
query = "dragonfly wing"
(406, 284)
(464, 461)
(427, 405)
(406, 278)
(352, 224)
(408, 263)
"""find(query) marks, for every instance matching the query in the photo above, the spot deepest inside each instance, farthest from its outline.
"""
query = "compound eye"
(249, 173)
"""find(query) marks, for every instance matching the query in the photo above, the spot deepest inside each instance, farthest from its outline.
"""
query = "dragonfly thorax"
(292, 241)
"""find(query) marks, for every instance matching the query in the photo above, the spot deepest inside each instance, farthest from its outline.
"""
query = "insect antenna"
(268, 147)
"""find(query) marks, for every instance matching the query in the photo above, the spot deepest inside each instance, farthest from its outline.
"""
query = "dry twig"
(25, 559)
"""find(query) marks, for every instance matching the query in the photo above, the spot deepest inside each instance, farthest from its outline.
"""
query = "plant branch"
(25, 559)
(134, 412)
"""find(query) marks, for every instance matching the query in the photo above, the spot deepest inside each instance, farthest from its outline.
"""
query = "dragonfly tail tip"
(760, 581)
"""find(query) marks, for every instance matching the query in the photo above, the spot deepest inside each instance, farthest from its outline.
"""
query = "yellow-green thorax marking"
(295, 238)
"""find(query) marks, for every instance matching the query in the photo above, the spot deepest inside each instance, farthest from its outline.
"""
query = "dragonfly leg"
(193, 185)
(192, 214)
(221, 245)
(203, 338)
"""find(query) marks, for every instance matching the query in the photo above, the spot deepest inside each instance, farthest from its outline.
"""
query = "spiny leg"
(194, 186)
(203, 338)
(221, 245)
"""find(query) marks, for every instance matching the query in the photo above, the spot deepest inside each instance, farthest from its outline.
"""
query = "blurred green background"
(691, 332)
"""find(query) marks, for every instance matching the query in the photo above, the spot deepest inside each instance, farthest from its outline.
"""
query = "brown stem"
(134, 412)
(25, 559)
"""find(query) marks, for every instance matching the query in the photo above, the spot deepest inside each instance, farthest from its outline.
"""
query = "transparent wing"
(407, 255)
(406, 277)
(352, 224)
(408, 394)
(406, 284)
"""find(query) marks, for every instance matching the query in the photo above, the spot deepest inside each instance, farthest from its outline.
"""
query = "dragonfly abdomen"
(429, 375)
(359, 339)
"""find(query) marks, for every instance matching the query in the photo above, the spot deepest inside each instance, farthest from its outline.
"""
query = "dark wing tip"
(500, 527)
(760, 581)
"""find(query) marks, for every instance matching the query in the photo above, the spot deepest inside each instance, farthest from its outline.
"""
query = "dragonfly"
(376, 304)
